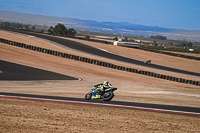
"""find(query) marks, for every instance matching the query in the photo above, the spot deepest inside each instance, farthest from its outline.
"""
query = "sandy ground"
(131, 87)
(45, 117)
(183, 53)
(161, 59)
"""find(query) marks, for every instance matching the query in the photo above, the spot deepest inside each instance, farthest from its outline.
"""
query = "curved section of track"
(119, 104)
(12, 71)
(91, 50)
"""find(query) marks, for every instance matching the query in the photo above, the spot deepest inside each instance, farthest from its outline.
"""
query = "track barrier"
(98, 62)
(106, 42)
(172, 54)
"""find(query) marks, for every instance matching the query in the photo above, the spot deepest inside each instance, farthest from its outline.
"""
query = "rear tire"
(88, 96)
(107, 96)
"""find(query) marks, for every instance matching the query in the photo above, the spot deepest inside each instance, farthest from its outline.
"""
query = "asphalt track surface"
(11, 71)
(91, 50)
(120, 104)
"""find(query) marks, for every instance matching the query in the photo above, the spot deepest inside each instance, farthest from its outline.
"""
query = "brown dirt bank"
(170, 61)
(32, 116)
(131, 87)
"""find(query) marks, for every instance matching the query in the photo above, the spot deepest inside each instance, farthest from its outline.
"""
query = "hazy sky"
(182, 14)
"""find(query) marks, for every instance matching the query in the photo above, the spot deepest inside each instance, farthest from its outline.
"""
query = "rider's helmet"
(105, 83)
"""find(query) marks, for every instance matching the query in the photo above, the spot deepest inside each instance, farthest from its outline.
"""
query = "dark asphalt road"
(98, 52)
(146, 105)
(12, 71)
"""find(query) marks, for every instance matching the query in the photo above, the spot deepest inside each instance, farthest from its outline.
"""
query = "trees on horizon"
(61, 30)
(158, 37)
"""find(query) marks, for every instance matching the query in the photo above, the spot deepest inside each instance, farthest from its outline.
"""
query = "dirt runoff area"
(32, 116)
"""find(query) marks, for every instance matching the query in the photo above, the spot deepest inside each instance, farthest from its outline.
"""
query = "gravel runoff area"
(32, 116)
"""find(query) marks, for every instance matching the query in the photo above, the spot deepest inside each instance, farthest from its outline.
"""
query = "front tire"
(107, 96)
(88, 96)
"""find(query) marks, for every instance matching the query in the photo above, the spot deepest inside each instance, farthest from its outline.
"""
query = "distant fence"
(172, 54)
(98, 62)
(81, 38)
(107, 42)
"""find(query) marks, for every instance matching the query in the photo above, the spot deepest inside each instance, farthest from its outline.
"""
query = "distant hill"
(105, 27)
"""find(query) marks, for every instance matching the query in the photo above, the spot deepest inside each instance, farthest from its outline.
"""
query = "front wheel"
(88, 96)
(108, 95)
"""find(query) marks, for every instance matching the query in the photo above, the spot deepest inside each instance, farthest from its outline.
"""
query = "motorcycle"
(106, 94)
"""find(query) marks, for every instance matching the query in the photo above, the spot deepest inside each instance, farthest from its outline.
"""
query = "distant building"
(127, 44)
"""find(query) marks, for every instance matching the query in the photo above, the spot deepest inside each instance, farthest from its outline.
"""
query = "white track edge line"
(111, 105)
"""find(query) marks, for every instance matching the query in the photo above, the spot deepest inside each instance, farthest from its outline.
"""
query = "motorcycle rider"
(98, 88)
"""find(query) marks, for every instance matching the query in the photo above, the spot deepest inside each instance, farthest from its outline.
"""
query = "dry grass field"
(32, 116)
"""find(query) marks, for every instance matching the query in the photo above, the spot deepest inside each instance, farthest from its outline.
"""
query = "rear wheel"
(88, 96)
(108, 95)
